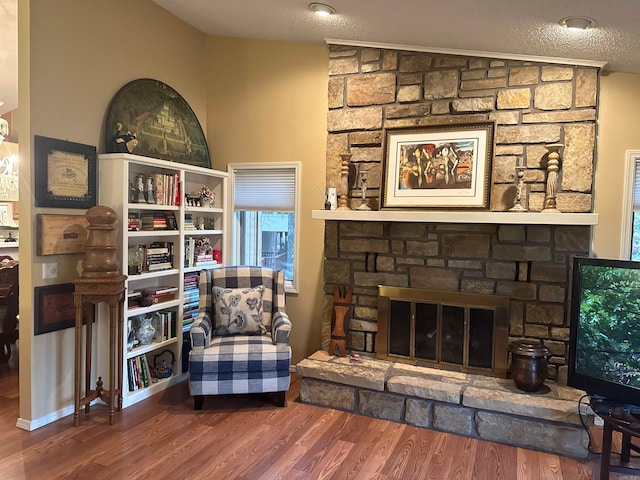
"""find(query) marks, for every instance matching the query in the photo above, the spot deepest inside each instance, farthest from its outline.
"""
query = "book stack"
(153, 221)
(134, 222)
(139, 374)
(157, 256)
(188, 222)
(191, 299)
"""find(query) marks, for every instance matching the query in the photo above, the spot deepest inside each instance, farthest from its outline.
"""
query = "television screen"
(604, 350)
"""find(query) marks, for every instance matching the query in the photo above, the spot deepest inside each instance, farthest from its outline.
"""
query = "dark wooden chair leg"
(198, 401)
(281, 399)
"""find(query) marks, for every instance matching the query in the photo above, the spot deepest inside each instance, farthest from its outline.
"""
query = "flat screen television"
(604, 344)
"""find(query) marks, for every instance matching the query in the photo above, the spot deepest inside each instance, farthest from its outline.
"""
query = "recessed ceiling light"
(322, 9)
(578, 23)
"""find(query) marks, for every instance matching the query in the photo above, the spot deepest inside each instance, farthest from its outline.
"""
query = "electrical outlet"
(50, 270)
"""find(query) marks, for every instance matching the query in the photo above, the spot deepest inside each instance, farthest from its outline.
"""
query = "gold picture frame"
(440, 166)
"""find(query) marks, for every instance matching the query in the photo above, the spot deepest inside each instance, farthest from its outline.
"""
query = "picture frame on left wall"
(55, 309)
(67, 174)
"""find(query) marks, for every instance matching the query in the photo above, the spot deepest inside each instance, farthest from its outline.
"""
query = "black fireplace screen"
(465, 332)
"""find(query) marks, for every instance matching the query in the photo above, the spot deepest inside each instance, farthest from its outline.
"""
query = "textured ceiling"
(512, 27)
(501, 26)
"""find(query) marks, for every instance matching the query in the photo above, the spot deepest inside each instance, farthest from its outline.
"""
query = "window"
(265, 216)
(630, 245)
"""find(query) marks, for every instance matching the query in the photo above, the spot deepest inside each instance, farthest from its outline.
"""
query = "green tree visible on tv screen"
(609, 333)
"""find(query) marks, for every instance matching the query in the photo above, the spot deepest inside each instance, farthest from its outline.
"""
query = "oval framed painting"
(149, 118)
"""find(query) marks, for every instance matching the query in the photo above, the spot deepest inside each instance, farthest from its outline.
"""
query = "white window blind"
(636, 183)
(265, 189)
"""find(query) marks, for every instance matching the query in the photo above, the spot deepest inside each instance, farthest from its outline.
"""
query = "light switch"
(50, 270)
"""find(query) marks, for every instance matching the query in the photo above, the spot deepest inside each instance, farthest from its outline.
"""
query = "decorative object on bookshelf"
(145, 329)
(163, 368)
(207, 197)
(68, 174)
(160, 121)
(61, 234)
(153, 295)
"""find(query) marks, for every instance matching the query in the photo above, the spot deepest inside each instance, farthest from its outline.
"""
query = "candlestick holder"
(363, 190)
(344, 181)
(517, 207)
(553, 167)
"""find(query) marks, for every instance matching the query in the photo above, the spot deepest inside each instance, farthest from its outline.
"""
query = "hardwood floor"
(248, 438)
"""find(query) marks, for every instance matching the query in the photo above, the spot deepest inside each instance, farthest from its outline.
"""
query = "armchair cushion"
(238, 311)
(239, 364)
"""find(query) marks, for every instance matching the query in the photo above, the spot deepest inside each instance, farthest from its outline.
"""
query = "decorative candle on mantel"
(553, 167)
(344, 181)
(517, 207)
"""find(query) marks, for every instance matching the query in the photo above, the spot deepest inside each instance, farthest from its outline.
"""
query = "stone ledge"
(476, 406)
(370, 374)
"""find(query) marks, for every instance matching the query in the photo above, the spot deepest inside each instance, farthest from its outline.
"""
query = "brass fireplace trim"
(499, 303)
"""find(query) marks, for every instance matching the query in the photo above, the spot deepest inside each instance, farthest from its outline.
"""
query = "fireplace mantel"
(454, 216)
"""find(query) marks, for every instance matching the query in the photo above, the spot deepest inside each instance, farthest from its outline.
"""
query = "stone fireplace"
(533, 104)
(525, 258)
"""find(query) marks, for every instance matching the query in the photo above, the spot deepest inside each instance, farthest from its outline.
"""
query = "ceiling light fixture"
(578, 23)
(321, 9)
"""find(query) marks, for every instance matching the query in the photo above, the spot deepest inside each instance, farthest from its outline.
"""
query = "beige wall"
(268, 103)
(618, 131)
(74, 56)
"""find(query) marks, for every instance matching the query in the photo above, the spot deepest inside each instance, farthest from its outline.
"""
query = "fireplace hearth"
(455, 331)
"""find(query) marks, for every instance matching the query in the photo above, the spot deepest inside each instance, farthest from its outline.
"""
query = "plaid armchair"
(240, 363)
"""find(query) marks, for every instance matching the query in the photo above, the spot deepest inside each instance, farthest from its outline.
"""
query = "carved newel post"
(101, 251)
(100, 282)
(553, 167)
(344, 181)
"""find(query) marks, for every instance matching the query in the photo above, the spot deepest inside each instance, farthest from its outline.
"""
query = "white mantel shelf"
(453, 216)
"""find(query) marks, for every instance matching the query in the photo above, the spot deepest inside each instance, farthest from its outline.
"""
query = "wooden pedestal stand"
(95, 291)
(342, 310)
(100, 282)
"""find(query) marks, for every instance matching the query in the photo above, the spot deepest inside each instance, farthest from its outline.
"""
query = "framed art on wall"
(441, 166)
(61, 234)
(67, 174)
(55, 309)
(149, 118)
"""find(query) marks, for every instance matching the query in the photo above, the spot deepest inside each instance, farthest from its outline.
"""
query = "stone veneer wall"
(530, 264)
(533, 104)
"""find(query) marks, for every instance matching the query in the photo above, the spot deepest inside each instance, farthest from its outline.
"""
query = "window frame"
(290, 286)
(633, 157)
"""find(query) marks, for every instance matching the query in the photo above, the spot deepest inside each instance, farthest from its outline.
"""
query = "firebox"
(463, 332)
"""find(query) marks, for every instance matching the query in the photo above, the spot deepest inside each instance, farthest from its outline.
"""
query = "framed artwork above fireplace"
(439, 166)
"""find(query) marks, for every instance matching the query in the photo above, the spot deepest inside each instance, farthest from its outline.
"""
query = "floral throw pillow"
(238, 311)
